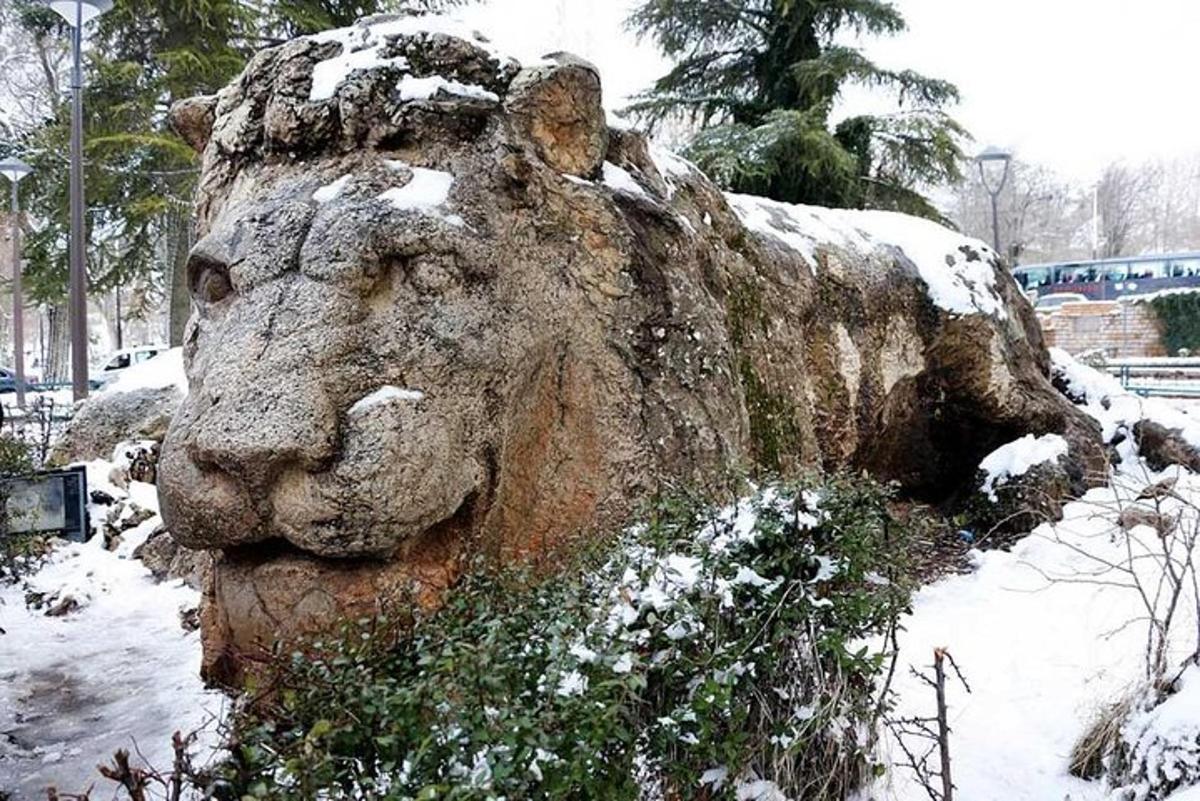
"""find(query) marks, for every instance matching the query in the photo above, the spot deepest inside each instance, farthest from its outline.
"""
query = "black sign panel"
(48, 502)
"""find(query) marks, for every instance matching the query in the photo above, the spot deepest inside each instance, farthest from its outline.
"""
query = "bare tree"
(1040, 218)
(35, 67)
(1152, 207)
(1172, 207)
(1121, 198)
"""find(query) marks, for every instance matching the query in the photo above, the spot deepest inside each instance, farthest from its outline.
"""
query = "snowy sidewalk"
(118, 673)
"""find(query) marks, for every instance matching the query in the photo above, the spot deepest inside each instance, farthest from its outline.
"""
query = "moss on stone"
(745, 313)
(775, 435)
(774, 432)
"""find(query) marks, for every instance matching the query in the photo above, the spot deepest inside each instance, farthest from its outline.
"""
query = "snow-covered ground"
(119, 672)
(1049, 634)
(1042, 641)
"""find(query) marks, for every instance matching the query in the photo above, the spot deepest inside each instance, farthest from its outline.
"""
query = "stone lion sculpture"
(442, 309)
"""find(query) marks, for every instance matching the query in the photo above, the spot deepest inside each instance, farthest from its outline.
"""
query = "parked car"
(1057, 299)
(8, 381)
(125, 358)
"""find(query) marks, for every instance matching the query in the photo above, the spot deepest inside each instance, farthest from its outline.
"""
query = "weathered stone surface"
(557, 107)
(166, 559)
(122, 516)
(1162, 447)
(1022, 502)
(192, 119)
(1139, 515)
(107, 419)
(134, 460)
(416, 339)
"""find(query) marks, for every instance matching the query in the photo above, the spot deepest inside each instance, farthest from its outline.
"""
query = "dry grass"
(1100, 740)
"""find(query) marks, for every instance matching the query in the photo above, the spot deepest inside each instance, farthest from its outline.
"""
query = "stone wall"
(1119, 330)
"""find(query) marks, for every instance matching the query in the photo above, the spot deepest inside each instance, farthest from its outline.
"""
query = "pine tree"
(295, 17)
(758, 80)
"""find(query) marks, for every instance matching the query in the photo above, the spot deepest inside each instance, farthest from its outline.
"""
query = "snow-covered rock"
(584, 317)
(1158, 431)
(138, 405)
(1016, 458)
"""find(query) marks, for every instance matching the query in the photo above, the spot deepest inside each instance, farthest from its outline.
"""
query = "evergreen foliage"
(1179, 317)
(705, 650)
(19, 554)
(759, 79)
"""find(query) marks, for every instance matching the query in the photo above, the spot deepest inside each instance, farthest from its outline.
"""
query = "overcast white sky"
(1070, 83)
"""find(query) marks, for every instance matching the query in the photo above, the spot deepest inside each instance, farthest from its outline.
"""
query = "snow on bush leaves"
(712, 652)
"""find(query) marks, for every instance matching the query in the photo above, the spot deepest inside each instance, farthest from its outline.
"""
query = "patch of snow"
(798, 227)
(619, 179)
(1166, 737)
(158, 372)
(383, 395)
(748, 576)
(959, 272)
(363, 44)
(572, 683)
(673, 577)
(759, 790)
(331, 73)
(1187, 793)
(330, 191)
(412, 88)
(583, 653)
(427, 188)
(672, 167)
(427, 191)
(714, 777)
(575, 179)
(1017, 457)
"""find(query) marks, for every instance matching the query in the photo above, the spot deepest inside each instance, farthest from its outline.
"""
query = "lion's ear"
(557, 106)
(193, 120)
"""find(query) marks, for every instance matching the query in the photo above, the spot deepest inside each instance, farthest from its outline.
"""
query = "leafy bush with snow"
(708, 653)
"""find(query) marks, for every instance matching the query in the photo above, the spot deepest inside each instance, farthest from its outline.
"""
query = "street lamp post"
(14, 170)
(77, 13)
(991, 160)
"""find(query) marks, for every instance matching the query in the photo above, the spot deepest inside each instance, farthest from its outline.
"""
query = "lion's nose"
(255, 429)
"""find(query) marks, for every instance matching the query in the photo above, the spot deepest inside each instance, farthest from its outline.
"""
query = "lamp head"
(72, 10)
(994, 154)
(993, 168)
(14, 169)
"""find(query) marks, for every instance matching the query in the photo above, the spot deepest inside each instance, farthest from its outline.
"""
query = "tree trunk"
(58, 348)
(180, 298)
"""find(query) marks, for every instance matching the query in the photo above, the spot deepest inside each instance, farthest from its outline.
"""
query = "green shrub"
(18, 553)
(706, 648)
(1179, 315)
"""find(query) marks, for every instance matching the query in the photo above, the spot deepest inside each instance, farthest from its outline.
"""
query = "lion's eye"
(208, 279)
